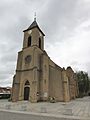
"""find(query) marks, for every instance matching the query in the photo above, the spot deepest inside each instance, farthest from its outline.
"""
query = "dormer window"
(29, 41)
(40, 43)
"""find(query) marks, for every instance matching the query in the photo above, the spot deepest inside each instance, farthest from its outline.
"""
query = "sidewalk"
(79, 108)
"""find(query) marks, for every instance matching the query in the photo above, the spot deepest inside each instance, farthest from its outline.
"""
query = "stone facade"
(37, 77)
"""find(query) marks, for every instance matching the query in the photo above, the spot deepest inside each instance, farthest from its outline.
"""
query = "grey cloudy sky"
(66, 24)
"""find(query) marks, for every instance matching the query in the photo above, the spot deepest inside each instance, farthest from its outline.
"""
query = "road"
(19, 116)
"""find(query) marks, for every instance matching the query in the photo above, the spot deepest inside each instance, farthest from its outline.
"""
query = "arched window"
(29, 41)
(40, 43)
(27, 83)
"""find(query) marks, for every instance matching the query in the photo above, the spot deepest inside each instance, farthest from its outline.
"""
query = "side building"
(5, 92)
(37, 77)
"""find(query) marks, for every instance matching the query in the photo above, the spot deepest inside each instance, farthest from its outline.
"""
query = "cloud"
(74, 50)
(65, 23)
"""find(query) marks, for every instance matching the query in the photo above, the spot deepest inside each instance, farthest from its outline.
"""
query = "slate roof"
(34, 25)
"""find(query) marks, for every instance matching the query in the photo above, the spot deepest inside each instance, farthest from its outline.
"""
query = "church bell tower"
(33, 36)
(26, 84)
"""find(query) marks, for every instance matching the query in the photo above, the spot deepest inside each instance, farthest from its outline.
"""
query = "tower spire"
(35, 16)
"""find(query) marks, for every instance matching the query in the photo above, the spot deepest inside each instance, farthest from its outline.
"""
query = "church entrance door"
(26, 93)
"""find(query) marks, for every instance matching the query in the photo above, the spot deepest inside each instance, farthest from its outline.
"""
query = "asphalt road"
(19, 116)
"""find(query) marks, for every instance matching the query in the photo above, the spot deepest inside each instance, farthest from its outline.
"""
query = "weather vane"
(35, 16)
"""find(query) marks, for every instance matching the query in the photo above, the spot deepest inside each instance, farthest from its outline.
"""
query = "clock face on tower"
(28, 59)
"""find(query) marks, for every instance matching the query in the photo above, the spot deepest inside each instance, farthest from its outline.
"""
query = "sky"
(66, 24)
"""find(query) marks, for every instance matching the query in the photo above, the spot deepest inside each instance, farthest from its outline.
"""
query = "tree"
(83, 83)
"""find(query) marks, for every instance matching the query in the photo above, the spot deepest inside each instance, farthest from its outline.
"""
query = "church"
(37, 77)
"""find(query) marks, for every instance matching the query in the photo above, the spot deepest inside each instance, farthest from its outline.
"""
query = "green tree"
(83, 83)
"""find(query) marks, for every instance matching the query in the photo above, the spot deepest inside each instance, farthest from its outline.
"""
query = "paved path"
(79, 108)
(20, 116)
